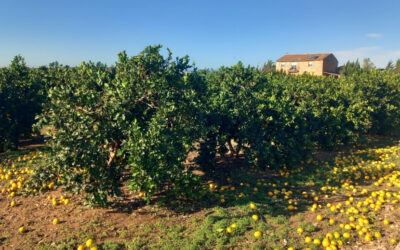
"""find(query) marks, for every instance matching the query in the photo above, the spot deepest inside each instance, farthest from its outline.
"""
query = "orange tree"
(166, 121)
(334, 110)
(380, 91)
(21, 96)
(247, 112)
(139, 116)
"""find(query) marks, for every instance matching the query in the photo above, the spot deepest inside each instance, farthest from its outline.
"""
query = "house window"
(293, 66)
(309, 64)
(282, 65)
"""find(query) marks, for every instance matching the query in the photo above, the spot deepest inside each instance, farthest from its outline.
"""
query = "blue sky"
(213, 33)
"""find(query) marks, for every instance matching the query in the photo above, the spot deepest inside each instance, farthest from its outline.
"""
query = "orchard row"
(147, 112)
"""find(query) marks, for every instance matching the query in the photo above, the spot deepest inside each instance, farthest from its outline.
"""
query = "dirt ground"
(36, 214)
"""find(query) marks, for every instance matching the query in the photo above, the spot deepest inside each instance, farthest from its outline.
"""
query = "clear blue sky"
(211, 32)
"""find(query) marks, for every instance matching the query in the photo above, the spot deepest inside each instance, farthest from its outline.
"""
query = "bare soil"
(36, 214)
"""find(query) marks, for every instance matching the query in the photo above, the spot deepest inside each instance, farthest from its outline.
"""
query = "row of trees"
(349, 67)
(22, 93)
(355, 67)
(146, 113)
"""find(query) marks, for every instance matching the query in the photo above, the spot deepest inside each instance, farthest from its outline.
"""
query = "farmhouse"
(315, 64)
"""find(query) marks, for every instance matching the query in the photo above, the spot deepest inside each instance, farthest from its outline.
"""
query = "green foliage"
(85, 118)
(277, 119)
(111, 245)
(268, 67)
(368, 64)
(397, 66)
(350, 68)
(139, 117)
(165, 124)
(278, 133)
(332, 114)
(380, 92)
(21, 97)
(228, 100)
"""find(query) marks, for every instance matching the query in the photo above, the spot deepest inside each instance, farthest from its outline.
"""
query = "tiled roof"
(303, 57)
